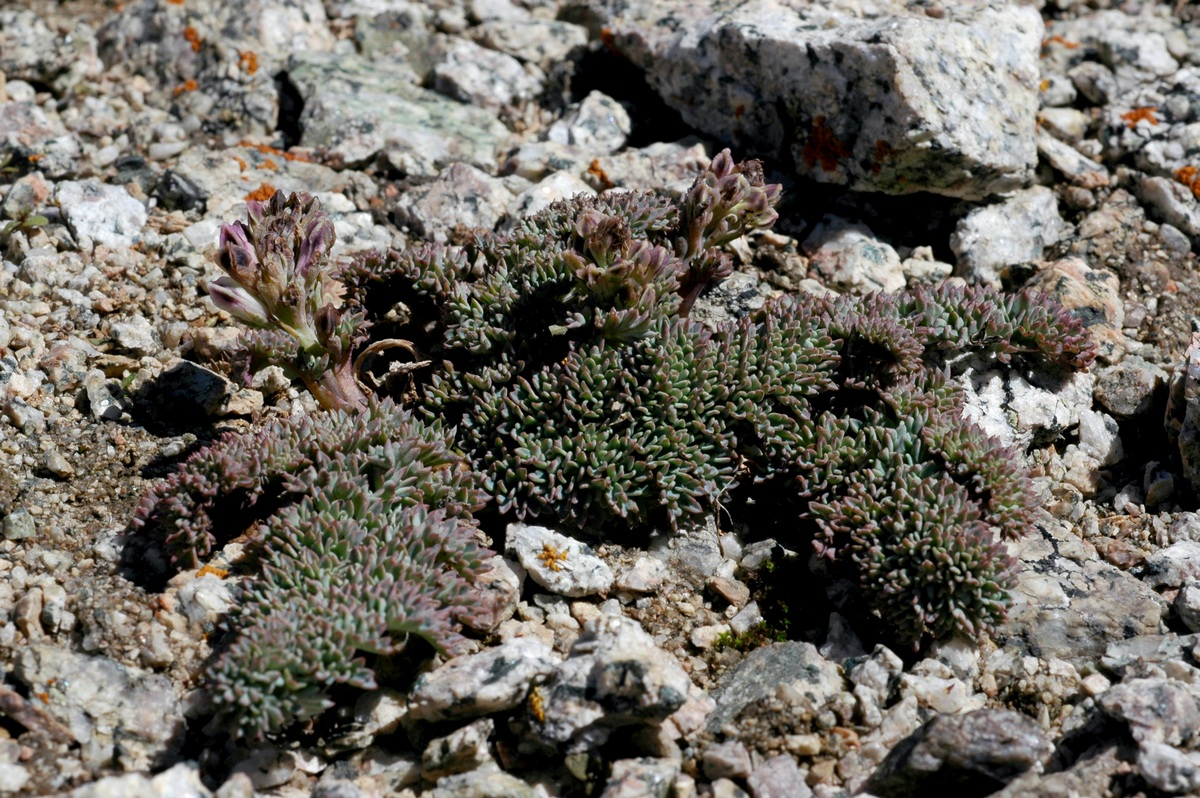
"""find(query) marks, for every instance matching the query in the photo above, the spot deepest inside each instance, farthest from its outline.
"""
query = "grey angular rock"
(1074, 165)
(1094, 81)
(19, 525)
(1132, 657)
(123, 711)
(729, 759)
(952, 100)
(357, 109)
(493, 680)
(1187, 605)
(1172, 202)
(779, 777)
(1089, 775)
(461, 751)
(644, 777)
(1166, 768)
(1157, 710)
(816, 680)
(485, 78)
(230, 53)
(1068, 603)
(1183, 412)
(535, 41)
(227, 177)
(1130, 388)
(486, 782)
(972, 754)
(460, 195)
(614, 677)
(180, 781)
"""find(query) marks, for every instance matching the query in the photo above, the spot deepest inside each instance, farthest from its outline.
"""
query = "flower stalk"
(276, 277)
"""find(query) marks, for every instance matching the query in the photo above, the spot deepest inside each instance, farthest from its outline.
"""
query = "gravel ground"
(130, 131)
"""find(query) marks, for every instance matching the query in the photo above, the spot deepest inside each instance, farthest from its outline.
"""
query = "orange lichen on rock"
(188, 85)
(267, 150)
(609, 41)
(537, 704)
(597, 171)
(263, 193)
(1190, 177)
(248, 61)
(552, 558)
(824, 147)
(1136, 115)
(220, 573)
(193, 38)
(880, 153)
(1070, 45)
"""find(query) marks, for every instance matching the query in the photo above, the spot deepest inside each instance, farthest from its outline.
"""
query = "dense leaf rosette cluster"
(363, 525)
(555, 374)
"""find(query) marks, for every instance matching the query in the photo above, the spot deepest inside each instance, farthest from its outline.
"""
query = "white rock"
(494, 680)
(935, 686)
(205, 600)
(104, 213)
(136, 336)
(598, 123)
(645, 576)
(1015, 409)
(1167, 768)
(181, 781)
(1017, 230)
(1099, 436)
(485, 78)
(922, 267)
(849, 257)
(12, 777)
(1174, 203)
(1187, 604)
(746, 619)
(558, 563)
(1173, 566)
(268, 767)
(706, 636)
(555, 186)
